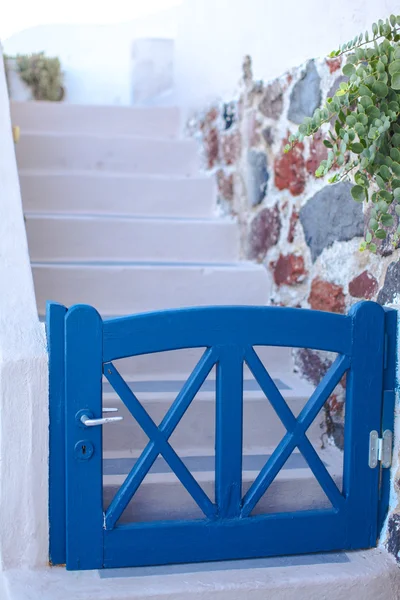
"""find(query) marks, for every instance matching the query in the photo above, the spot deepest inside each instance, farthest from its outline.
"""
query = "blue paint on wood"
(226, 539)
(224, 325)
(55, 316)
(160, 443)
(228, 335)
(167, 427)
(363, 414)
(388, 404)
(229, 432)
(83, 372)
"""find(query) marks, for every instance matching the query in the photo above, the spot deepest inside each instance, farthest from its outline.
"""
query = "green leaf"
(396, 168)
(348, 70)
(392, 20)
(372, 248)
(328, 144)
(374, 28)
(351, 120)
(394, 67)
(395, 184)
(357, 148)
(386, 195)
(396, 140)
(387, 220)
(372, 133)
(385, 172)
(368, 237)
(366, 101)
(363, 90)
(382, 206)
(396, 193)
(380, 234)
(380, 182)
(373, 224)
(358, 193)
(395, 154)
(380, 89)
(373, 113)
(396, 80)
(397, 209)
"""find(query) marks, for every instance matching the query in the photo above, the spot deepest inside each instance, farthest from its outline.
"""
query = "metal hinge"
(380, 449)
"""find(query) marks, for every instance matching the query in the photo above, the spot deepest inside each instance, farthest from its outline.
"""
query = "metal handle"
(88, 422)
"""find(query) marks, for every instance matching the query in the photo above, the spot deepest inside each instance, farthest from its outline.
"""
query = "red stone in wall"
(326, 296)
(318, 153)
(289, 270)
(209, 118)
(264, 232)
(363, 286)
(334, 64)
(290, 172)
(225, 185)
(231, 147)
(211, 144)
(294, 217)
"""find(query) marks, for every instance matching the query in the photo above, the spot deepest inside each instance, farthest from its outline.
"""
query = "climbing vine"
(362, 127)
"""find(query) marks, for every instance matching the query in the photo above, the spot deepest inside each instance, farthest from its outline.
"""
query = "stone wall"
(305, 231)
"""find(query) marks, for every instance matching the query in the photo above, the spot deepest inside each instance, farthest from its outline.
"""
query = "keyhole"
(83, 449)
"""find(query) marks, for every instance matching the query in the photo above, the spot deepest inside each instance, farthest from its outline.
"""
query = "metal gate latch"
(380, 449)
(88, 422)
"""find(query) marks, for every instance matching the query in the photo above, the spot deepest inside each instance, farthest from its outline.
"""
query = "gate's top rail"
(221, 325)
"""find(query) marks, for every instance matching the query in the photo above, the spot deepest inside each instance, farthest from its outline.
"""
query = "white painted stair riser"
(74, 239)
(76, 192)
(195, 434)
(162, 496)
(115, 120)
(102, 153)
(120, 290)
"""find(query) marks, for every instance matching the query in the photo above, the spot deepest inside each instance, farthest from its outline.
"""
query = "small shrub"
(43, 75)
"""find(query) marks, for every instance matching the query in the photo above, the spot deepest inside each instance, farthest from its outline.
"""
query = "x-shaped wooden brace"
(158, 437)
(296, 431)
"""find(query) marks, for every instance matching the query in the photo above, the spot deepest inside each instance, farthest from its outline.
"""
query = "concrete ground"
(369, 575)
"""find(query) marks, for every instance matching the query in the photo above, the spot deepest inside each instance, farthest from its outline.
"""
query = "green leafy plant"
(43, 75)
(362, 127)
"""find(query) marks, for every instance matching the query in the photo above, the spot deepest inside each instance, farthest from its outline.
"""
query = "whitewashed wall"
(98, 60)
(23, 377)
(214, 35)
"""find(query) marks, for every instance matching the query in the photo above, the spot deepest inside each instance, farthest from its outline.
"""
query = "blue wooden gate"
(82, 348)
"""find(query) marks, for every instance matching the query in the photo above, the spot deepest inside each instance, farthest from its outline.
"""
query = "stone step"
(76, 118)
(195, 434)
(86, 192)
(123, 289)
(74, 238)
(124, 154)
(161, 496)
(364, 575)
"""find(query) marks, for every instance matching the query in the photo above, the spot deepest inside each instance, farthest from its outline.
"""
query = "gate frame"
(118, 333)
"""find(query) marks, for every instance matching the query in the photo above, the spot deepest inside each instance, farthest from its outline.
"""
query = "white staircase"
(118, 215)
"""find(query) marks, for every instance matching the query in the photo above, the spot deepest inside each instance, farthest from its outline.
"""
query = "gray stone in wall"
(331, 215)
(336, 84)
(306, 95)
(391, 287)
(271, 104)
(257, 177)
